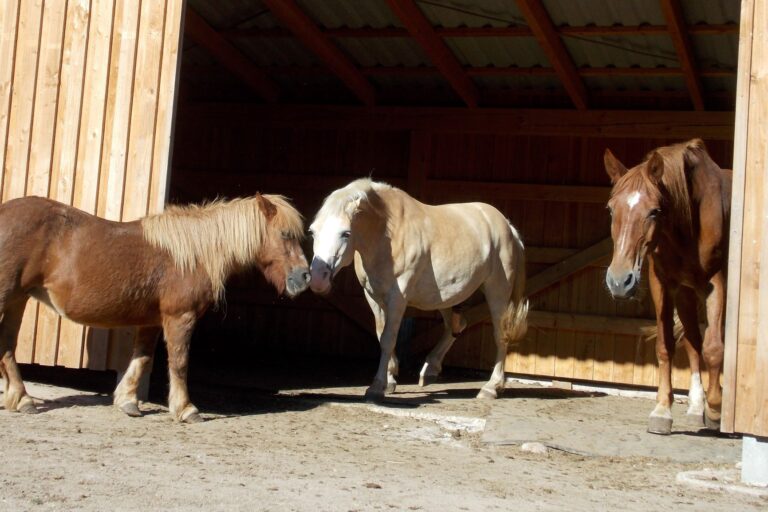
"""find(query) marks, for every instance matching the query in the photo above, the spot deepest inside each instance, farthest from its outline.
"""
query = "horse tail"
(514, 322)
(650, 333)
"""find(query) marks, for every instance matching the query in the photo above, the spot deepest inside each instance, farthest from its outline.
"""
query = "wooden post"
(746, 336)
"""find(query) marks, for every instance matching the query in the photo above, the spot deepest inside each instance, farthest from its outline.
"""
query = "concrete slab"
(601, 425)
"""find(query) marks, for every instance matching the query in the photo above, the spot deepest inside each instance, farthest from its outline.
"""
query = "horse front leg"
(178, 332)
(16, 397)
(713, 350)
(125, 396)
(660, 420)
(686, 302)
(391, 316)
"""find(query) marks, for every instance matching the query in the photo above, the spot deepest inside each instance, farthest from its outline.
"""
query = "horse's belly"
(95, 313)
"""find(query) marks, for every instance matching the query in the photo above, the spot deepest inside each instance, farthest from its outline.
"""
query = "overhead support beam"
(546, 34)
(306, 31)
(514, 31)
(420, 28)
(673, 12)
(229, 57)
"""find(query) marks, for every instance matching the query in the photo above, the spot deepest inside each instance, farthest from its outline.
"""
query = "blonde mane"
(357, 195)
(674, 180)
(219, 236)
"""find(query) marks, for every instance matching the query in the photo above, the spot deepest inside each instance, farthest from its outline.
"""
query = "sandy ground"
(316, 448)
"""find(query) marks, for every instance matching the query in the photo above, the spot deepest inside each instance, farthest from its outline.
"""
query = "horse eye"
(311, 233)
(654, 213)
(345, 234)
(286, 235)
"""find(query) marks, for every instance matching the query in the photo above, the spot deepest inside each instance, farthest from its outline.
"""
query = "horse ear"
(613, 167)
(654, 168)
(691, 155)
(266, 206)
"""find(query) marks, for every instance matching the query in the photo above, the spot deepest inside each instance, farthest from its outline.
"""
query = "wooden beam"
(437, 51)
(549, 40)
(593, 123)
(498, 71)
(291, 15)
(589, 323)
(569, 266)
(673, 13)
(229, 57)
(518, 191)
(477, 32)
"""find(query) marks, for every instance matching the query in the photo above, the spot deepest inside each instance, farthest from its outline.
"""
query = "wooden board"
(80, 124)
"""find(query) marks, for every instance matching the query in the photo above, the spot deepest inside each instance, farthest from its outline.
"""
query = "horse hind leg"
(125, 396)
(15, 397)
(498, 302)
(454, 323)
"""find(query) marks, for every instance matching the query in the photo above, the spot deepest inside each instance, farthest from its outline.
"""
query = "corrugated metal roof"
(718, 51)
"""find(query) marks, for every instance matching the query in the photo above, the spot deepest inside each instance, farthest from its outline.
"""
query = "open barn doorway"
(512, 103)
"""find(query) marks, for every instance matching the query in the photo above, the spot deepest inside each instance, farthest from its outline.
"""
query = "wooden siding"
(746, 352)
(87, 90)
(553, 187)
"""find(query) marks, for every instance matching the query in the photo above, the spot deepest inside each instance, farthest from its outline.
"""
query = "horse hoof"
(696, 417)
(28, 408)
(426, 380)
(710, 423)
(487, 394)
(391, 386)
(660, 425)
(193, 417)
(131, 409)
(373, 396)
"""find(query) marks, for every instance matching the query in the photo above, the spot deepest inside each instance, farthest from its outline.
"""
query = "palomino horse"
(162, 271)
(407, 253)
(674, 207)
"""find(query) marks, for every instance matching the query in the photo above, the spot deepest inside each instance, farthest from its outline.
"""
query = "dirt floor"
(273, 443)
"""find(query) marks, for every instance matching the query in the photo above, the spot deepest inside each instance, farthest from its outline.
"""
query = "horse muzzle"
(622, 285)
(297, 281)
(321, 276)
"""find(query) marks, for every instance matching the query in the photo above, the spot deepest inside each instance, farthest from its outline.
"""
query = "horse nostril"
(307, 276)
(628, 280)
(325, 274)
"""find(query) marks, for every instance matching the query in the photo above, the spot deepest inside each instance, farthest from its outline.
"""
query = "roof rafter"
(230, 57)
(437, 51)
(541, 24)
(673, 12)
(291, 15)
(512, 31)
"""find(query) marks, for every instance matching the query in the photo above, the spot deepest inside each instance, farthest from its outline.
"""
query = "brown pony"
(674, 207)
(162, 271)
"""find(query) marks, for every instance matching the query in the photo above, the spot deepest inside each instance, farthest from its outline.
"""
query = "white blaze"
(633, 199)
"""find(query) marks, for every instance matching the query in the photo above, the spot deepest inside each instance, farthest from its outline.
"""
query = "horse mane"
(674, 179)
(219, 236)
(361, 194)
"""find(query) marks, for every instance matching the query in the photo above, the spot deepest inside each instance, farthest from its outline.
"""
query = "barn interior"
(512, 103)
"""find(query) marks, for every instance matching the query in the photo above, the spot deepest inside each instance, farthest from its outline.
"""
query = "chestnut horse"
(162, 271)
(407, 253)
(674, 207)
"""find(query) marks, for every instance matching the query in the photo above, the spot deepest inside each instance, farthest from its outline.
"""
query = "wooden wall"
(87, 92)
(745, 373)
(545, 173)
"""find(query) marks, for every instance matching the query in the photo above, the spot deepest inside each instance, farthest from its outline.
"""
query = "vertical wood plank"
(118, 108)
(8, 18)
(41, 150)
(166, 105)
(68, 120)
(18, 138)
(736, 238)
(144, 106)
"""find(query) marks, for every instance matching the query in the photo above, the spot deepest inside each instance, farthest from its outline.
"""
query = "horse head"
(281, 257)
(636, 208)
